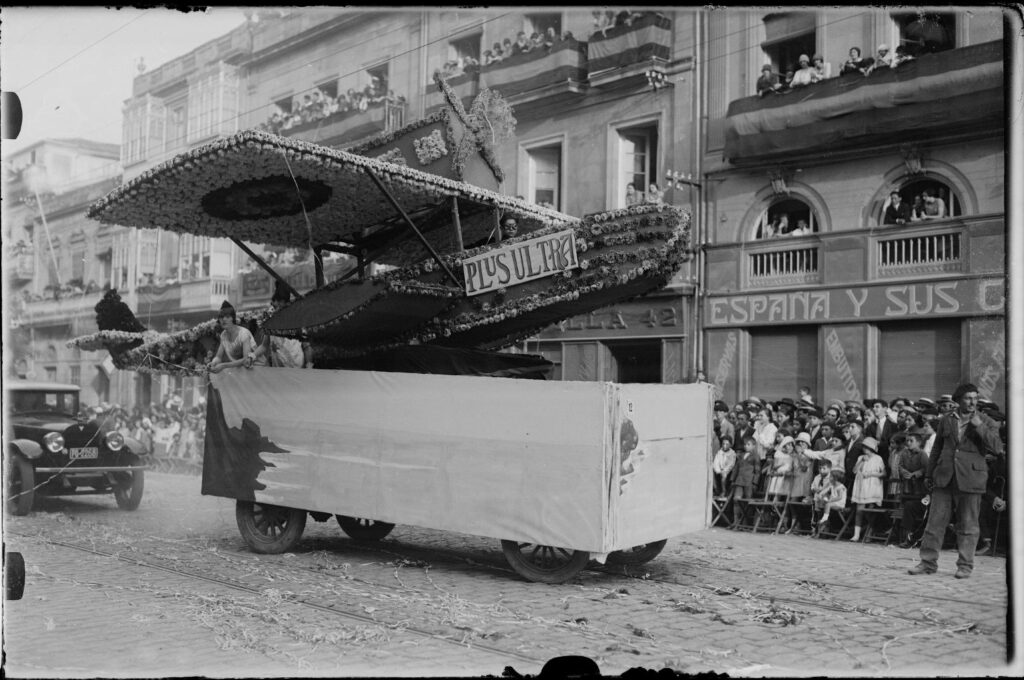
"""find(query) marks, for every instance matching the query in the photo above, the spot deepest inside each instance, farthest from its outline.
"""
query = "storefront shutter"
(782, 362)
(919, 359)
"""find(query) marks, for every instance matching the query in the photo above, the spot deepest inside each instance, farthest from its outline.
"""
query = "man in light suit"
(956, 474)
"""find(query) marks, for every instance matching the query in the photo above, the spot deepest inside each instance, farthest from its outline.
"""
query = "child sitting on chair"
(829, 496)
(722, 465)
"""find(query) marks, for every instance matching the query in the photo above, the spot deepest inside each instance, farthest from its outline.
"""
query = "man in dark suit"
(854, 432)
(957, 473)
(743, 427)
(881, 428)
(897, 212)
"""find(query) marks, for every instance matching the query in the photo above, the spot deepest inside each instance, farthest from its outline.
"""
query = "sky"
(73, 67)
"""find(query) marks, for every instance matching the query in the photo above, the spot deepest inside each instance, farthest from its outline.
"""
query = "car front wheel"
(128, 489)
(362, 529)
(21, 482)
(269, 529)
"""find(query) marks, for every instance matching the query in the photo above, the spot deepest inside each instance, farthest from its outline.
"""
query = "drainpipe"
(698, 205)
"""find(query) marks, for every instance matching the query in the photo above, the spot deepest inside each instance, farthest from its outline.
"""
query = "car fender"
(134, 445)
(27, 448)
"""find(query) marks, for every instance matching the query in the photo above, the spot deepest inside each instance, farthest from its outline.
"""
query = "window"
(78, 263)
(284, 104)
(53, 264)
(637, 362)
(212, 103)
(76, 375)
(329, 88)
(545, 176)
(923, 32)
(177, 124)
(540, 23)
(787, 36)
(464, 49)
(143, 129)
(637, 160)
(51, 373)
(193, 257)
(912, 193)
(786, 217)
(782, 361)
(918, 357)
(148, 246)
(378, 80)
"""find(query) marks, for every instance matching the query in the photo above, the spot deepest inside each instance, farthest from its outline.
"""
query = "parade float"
(405, 419)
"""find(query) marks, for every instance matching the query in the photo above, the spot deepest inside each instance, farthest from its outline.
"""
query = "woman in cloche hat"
(236, 342)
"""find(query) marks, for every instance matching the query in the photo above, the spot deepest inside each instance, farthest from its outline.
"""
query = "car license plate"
(85, 452)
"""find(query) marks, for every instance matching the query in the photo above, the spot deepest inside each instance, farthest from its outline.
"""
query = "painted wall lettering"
(725, 364)
(835, 350)
(962, 297)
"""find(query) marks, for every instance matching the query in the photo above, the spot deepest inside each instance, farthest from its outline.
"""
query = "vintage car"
(54, 448)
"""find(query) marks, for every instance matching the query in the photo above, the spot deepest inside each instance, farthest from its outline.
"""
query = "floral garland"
(393, 156)
(170, 195)
(430, 148)
(390, 137)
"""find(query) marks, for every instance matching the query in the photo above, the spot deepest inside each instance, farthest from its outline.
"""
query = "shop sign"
(630, 320)
(945, 298)
(521, 262)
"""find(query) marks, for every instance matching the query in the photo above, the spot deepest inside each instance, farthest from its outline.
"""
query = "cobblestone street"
(171, 589)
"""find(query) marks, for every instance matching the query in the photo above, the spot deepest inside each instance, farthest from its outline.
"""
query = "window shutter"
(919, 359)
(780, 362)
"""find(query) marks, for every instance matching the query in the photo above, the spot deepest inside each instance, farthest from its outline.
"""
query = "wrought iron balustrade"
(924, 254)
(783, 267)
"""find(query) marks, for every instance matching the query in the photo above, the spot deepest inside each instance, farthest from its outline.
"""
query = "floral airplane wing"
(262, 188)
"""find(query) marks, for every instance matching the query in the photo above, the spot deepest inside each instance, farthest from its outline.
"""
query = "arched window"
(943, 201)
(786, 217)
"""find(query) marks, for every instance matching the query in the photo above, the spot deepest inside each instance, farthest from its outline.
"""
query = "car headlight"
(54, 442)
(115, 441)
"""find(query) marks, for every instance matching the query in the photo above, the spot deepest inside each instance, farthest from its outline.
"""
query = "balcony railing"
(564, 64)
(349, 126)
(925, 254)
(783, 267)
(647, 37)
(951, 93)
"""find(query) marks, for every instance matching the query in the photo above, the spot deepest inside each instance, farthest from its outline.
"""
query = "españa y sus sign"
(520, 262)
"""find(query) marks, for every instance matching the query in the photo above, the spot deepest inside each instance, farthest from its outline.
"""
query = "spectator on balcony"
(497, 52)
(801, 229)
(507, 49)
(536, 41)
(603, 20)
(568, 36)
(884, 58)
(768, 83)
(934, 208)
(856, 64)
(805, 74)
(627, 17)
(822, 69)
(632, 197)
(550, 38)
(306, 109)
(522, 44)
(654, 195)
(896, 211)
(489, 57)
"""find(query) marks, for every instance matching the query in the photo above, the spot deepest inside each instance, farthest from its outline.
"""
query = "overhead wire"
(239, 115)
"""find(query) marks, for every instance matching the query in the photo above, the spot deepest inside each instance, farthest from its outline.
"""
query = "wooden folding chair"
(794, 510)
(719, 505)
(846, 515)
(767, 512)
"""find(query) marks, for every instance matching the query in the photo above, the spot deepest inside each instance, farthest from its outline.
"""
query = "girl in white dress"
(236, 342)
(868, 487)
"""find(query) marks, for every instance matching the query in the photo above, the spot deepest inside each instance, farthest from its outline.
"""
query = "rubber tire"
(129, 496)
(14, 575)
(361, 529)
(532, 569)
(637, 555)
(281, 527)
(21, 476)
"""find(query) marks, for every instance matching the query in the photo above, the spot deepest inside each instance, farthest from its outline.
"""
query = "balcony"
(783, 267)
(625, 54)
(540, 78)
(21, 266)
(345, 127)
(957, 92)
(201, 294)
(62, 312)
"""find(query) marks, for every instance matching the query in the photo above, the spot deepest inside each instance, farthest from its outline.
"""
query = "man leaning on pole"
(956, 475)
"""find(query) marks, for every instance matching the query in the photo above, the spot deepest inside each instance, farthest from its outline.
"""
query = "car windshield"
(48, 401)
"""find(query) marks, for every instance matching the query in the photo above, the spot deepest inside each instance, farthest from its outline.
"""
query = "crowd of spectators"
(847, 457)
(167, 430)
(317, 105)
(810, 70)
